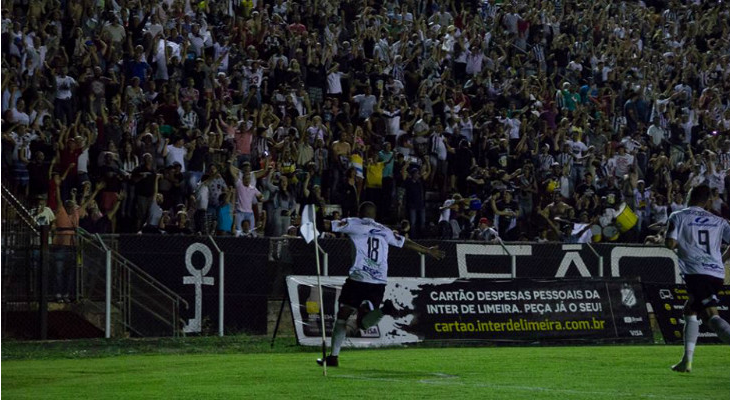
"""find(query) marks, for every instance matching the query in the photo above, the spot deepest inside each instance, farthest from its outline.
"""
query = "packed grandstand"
(526, 120)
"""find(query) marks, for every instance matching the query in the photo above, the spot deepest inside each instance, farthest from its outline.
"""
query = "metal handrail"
(23, 212)
(134, 268)
(124, 288)
(101, 241)
(513, 258)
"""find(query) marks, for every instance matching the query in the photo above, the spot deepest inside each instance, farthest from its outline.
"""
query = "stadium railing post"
(108, 299)
(107, 289)
(43, 284)
(423, 265)
(514, 266)
(221, 286)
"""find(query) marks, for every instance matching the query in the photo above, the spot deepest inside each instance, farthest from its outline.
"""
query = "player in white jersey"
(364, 288)
(698, 236)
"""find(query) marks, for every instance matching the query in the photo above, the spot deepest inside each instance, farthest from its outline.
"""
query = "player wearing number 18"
(364, 288)
(698, 235)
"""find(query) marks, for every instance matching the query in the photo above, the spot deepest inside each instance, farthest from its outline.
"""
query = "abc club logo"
(628, 297)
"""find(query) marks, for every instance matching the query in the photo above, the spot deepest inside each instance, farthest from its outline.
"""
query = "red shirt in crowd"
(70, 154)
(297, 27)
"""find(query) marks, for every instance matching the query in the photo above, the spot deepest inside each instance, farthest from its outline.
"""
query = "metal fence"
(131, 301)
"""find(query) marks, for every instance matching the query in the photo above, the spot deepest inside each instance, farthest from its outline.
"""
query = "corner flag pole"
(319, 287)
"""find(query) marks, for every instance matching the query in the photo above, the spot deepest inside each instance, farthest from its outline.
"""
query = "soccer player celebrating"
(697, 235)
(364, 288)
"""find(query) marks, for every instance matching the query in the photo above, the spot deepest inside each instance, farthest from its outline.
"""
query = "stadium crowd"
(522, 120)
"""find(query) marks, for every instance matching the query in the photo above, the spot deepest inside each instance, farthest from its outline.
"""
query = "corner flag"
(309, 232)
(308, 229)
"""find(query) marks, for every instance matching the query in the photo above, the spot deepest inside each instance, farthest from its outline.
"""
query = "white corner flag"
(308, 229)
(309, 232)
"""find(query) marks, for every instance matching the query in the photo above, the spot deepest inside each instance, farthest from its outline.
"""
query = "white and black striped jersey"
(723, 160)
(371, 241)
(699, 235)
(538, 50)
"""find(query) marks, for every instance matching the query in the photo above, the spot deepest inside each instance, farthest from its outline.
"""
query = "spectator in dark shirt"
(348, 194)
(198, 160)
(415, 203)
(97, 222)
(39, 175)
(144, 178)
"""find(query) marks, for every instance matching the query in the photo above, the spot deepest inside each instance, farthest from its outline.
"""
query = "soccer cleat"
(682, 366)
(332, 361)
(388, 308)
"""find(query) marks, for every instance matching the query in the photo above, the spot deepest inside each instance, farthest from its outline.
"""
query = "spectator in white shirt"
(334, 80)
(622, 162)
(448, 226)
(657, 134)
(281, 8)
(484, 232)
(63, 104)
(392, 115)
(19, 114)
(188, 117)
(512, 124)
(474, 61)
(176, 153)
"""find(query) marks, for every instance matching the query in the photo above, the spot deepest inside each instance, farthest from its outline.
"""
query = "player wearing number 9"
(697, 235)
(364, 288)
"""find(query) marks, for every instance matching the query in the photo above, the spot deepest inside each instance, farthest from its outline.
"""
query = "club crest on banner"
(628, 297)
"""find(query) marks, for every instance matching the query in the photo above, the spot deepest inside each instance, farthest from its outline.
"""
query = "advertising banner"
(479, 309)
(668, 303)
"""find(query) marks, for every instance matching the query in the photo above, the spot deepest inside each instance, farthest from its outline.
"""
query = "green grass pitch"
(227, 369)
